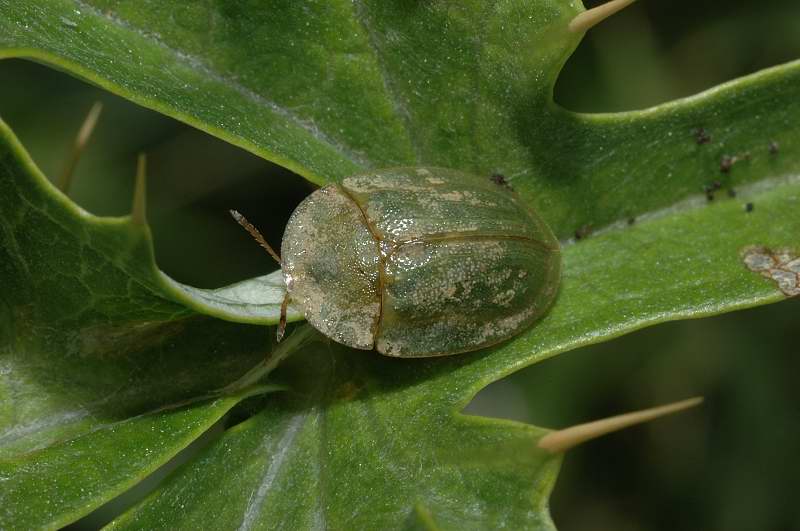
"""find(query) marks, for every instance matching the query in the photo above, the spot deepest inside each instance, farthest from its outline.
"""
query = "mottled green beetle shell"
(419, 262)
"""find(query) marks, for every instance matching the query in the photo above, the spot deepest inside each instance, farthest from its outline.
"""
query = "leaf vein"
(275, 465)
(389, 85)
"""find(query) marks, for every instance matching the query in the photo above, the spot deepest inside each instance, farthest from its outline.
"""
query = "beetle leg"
(282, 323)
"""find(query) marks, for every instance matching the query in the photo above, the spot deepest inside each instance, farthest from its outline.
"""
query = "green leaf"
(93, 334)
(364, 449)
(385, 434)
(256, 300)
(457, 84)
(312, 86)
(89, 344)
(112, 458)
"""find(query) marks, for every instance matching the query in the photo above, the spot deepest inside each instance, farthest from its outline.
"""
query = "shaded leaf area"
(465, 85)
(256, 301)
(358, 448)
(62, 482)
(88, 342)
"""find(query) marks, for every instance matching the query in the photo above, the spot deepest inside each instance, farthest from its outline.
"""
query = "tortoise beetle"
(417, 262)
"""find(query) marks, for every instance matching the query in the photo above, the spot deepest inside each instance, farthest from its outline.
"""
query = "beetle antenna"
(241, 220)
(562, 440)
(598, 14)
(84, 133)
(282, 323)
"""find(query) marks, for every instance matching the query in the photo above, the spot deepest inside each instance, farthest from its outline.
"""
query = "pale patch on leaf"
(781, 266)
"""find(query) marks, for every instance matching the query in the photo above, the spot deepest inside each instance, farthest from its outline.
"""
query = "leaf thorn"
(562, 440)
(81, 139)
(594, 16)
(139, 207)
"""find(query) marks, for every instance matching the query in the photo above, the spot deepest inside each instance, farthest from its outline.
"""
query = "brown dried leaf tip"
(781, 266)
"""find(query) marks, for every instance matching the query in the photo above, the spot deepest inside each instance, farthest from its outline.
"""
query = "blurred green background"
(729, 465)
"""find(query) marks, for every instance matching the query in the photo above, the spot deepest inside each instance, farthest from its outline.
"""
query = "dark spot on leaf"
(726, 163)
(749, 207)
(710, 189)
(500, 180)
(774, 148)
(731, 192)
(583, 232)
(701, 136)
